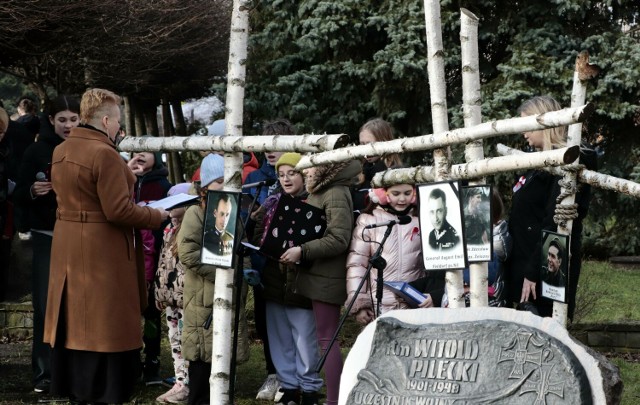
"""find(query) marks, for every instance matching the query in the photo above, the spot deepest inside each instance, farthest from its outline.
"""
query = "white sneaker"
(269, 388)
(24, 235)
(176, 395)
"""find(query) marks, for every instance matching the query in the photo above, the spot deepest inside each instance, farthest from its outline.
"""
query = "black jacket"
(532, 209)
(37, 158)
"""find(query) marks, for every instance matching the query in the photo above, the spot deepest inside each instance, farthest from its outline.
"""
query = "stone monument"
(473, 356)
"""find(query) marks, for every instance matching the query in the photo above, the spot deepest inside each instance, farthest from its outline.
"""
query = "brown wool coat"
(94, 282)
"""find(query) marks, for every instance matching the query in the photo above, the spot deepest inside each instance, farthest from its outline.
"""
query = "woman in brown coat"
(96, 284)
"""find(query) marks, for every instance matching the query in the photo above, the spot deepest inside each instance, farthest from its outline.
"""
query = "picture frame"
(478, 235)
(554, 262)
(220, 228)
(442, 226)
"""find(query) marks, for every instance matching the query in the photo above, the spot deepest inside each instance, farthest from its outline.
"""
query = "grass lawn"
(609, 293)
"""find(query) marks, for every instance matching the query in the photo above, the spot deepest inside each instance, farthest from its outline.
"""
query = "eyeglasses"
(289, 175)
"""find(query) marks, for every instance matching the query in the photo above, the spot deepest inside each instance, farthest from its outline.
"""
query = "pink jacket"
(402, 252)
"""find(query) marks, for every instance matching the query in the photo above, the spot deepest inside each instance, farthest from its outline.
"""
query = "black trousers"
(152, 332)
(199, 372)
(40, 351)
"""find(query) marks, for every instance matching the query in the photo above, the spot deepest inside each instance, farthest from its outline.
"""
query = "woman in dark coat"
(34, 193)
(532, 210)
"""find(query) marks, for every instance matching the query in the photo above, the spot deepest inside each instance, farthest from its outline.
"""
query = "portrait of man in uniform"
(441, 222)
(220, 221)
(443, 236)
(553, 265)
(553, 273)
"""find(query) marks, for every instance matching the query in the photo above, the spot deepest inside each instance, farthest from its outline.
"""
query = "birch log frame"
(489, 129)
(590, 177)
(232, 143)
(223, 290)
(440, 121)
(479, 168)
(473, 151)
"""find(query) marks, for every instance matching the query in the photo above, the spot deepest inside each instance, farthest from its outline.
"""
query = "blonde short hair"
(95, 102)
(553, 138)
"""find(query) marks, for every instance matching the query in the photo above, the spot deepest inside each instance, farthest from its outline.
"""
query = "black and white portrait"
(441, 224)
(477, 222)
(221, 217)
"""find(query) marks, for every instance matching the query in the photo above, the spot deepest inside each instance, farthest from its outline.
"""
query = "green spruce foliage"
(331, 65)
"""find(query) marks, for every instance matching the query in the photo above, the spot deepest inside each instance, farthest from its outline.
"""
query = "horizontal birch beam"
(586, 176)
(489, 129)
(479, 168)
(256, 143)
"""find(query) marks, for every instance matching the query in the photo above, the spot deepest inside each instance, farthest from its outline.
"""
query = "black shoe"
(288, 396)
(309, 398)
(151, 373)
(42, 387)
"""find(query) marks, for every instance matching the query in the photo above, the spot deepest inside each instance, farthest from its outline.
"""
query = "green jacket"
(198, 288)
(329, 190)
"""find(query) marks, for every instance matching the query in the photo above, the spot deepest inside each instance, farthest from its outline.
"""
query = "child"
(198, 284)
(402, 251)
(325, 281)
(290, 321)
(169, 283)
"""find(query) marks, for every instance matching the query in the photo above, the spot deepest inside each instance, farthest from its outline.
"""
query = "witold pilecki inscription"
(488, 361)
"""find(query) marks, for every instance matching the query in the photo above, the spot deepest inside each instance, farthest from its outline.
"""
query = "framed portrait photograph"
(441, 225)
(220, 228)
(476, 205)
(554, 260)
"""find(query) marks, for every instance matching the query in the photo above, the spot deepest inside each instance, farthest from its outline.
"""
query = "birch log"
(223, 291)
(233, 143)
(590, 177)
(489, 129)
(473, 151)
(485, 167)
(438, 95)
(568, 189)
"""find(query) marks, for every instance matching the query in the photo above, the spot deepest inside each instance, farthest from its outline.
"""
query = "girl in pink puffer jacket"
(402, 251)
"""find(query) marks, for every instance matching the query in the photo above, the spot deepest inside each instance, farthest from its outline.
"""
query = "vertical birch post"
(472, 111)
(223, 291)
(437, 92)
(569, 181)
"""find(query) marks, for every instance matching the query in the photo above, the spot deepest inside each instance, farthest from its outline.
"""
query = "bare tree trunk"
(471, 106)
(141, 128)
(167, 130)
(151, 120)
(223, 295)
(129, 125)
(180, 129)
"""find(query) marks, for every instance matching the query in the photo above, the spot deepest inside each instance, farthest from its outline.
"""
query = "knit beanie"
(212, 168)
(290, 158)
(217, 128)
(180, 188)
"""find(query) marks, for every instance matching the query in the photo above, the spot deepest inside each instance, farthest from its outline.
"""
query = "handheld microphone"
(402, 220)
(267, 182)
(41, 176)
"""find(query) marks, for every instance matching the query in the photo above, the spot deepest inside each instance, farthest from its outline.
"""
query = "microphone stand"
(238, 294)
(379, 263)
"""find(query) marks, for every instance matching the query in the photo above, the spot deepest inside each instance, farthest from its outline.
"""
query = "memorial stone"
(471, 356)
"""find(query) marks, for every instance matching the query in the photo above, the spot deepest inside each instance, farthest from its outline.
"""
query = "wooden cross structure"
(333, 148)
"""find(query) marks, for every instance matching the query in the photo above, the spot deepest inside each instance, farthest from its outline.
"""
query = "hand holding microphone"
(41, 186)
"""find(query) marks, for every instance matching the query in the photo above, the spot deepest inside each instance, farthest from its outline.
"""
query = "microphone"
(267, 182)
(41, 176)
(402, 220)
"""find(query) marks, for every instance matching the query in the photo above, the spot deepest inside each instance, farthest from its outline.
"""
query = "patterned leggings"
(174, 317)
